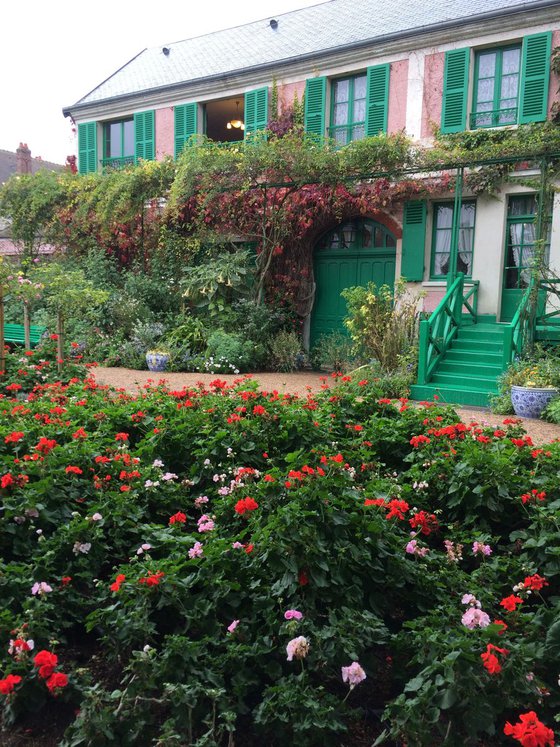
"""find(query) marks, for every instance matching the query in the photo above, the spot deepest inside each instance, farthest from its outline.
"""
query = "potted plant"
(533, 385)
(158, 358)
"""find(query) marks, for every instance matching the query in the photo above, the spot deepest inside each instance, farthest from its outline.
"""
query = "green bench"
(15, 333)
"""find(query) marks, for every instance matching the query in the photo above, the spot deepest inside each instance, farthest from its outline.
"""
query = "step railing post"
(508, 345)
(423, 338)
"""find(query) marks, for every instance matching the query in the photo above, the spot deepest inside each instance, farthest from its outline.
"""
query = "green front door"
(519, 254)
(354, 253)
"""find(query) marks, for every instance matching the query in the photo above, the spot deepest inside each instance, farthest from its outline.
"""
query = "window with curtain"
(348, 109)
(441, 240)
(496, 87)
(520, 255)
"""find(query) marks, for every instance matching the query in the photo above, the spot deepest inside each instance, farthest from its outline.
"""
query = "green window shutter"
(535, 76)
(87, 147)
(377, 99)
(186, 120)
(315, 103)
(145, 135)
(455, 89)
(413, 240)
(256, 110)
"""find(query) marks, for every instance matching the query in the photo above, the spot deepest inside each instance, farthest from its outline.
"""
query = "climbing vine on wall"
(278, 192)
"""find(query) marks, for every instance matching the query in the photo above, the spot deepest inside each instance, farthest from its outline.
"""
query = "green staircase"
(468, 371)
(461, 354)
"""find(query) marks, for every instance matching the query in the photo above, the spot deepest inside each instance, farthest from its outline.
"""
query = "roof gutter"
(491, 15)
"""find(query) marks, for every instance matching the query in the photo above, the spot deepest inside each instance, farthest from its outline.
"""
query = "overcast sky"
(53, 53)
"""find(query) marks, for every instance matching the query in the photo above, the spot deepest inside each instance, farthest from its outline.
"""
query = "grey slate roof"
(318, 28)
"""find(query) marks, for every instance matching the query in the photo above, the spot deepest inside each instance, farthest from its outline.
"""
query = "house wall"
(399, 96)
(432, 93)
(165, 132)
(554, 90)
(287, 92)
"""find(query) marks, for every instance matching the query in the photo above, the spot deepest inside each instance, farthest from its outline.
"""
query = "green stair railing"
(437, 332)
(519, 333)
(550, 286)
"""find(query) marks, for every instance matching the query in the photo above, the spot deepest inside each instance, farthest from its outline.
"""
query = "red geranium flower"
(490, 660)
(152, 579)
(6, 480)
(530, 732)
(116, 585)
(45, 445)
(396, 508)
(73, 470)
(46, 662)
(374, 502)
(178, 518)
(57, 681)
(244, 505)
(8, 683)
(535, 582)
(14, 437)
(510, 602)
(415, 441)
(427, 523)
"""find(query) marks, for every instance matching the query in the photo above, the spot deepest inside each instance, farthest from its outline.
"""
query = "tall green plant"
(381, 322)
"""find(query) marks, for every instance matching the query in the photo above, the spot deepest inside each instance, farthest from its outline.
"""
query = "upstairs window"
(118, 143)
(510, 84)
(496, 87)
(348, 109)
(359, 105)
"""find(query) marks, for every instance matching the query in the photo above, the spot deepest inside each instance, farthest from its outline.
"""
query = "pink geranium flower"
(353, 675)
(292, 615)
(297, 648)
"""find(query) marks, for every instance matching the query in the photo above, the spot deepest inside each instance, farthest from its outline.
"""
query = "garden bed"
(199, 565)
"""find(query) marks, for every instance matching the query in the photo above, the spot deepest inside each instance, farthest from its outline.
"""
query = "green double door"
(354, 253)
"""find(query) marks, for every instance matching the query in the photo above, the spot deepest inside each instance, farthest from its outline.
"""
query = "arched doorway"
(354, 253)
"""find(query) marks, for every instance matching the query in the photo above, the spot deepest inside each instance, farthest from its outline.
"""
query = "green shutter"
(377, 99)
(145, 135)
(186, 121)
(413, 240)
(535, 76)
(455, 89)
(256, 110)
(87, 147)
(315, 103)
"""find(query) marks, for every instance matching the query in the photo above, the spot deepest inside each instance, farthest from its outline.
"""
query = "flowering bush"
(182, 567)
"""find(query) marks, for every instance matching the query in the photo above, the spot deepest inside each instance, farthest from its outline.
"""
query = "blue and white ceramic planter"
(529, 402)
(157, 361)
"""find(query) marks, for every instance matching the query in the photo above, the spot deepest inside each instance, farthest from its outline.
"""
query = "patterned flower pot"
(157, 361)
(530, 401)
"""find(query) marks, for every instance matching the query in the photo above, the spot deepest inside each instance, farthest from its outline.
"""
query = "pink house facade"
(362, 68)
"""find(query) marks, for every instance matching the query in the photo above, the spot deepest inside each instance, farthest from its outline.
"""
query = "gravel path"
(300, 383)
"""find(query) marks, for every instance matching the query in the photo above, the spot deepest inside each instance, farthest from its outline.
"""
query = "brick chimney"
(23, 159)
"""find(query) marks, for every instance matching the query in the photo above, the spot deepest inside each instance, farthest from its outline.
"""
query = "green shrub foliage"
(203, 564)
